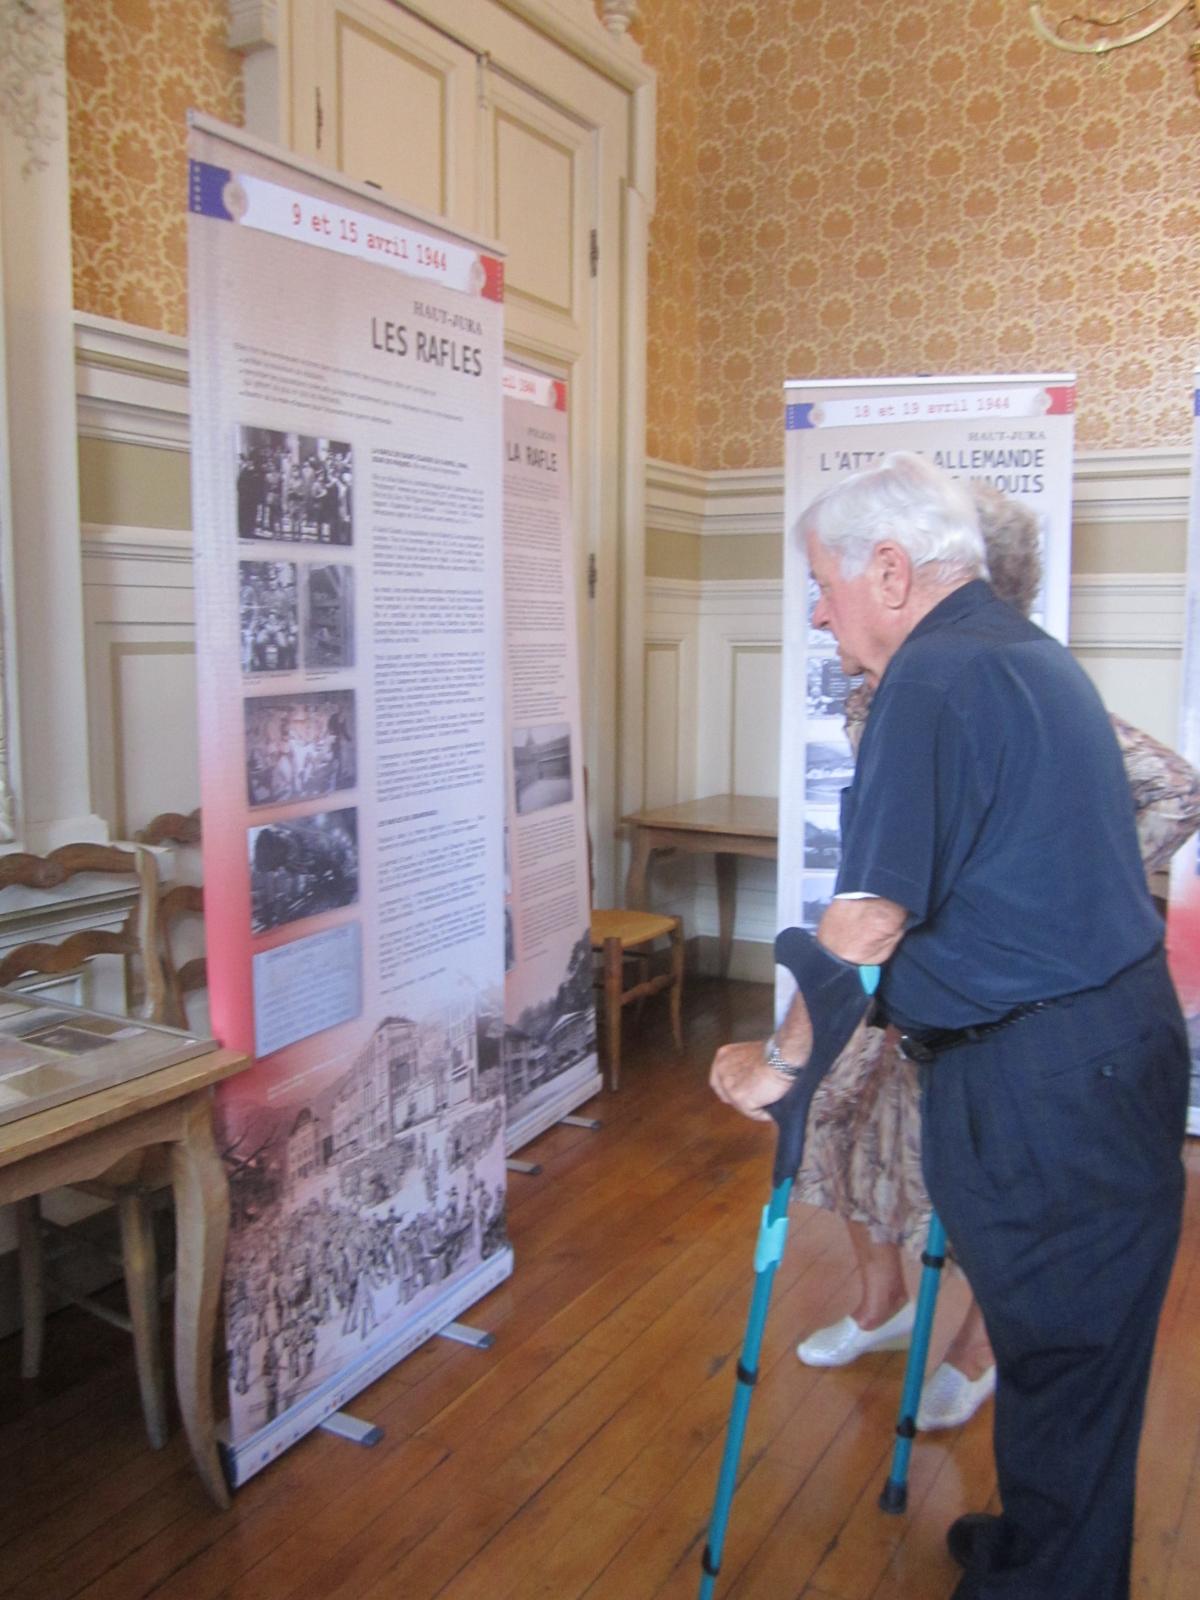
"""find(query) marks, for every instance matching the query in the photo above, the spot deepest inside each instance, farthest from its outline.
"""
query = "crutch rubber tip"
(894, 1499)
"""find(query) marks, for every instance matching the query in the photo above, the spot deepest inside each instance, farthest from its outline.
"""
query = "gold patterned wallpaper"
(134, 68)
(862, 187)
(845, 187)
(673, 287)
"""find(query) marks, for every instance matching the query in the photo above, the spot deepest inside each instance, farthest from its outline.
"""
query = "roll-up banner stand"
(1183, 922)
(550, 1062)
(346, 362)
(1013, 432)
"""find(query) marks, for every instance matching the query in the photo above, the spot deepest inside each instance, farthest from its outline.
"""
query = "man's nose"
(820, 614)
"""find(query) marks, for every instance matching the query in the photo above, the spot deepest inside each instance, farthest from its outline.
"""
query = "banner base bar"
(258, 1449)
(578, 1085)
(477, 1338)
(592, 1124)
(353, 1428)
(528, 1169)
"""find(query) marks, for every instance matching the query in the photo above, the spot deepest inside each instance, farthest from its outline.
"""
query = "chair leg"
(141, 1288)
(33, 1285)
(677, 985)
(643, 973)
(614, 963)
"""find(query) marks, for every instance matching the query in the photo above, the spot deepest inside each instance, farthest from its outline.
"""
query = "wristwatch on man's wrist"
(773, 1058)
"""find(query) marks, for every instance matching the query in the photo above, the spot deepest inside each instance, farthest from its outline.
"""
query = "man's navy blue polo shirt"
(990, 800)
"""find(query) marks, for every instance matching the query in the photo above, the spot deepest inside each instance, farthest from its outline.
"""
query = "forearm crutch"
(836, 1004)
(768, 1253)
(894, 1497)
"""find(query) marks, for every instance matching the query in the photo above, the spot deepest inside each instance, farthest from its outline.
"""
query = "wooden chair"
(625, 938)
(137, 941)
(171, 827)
(629, 936)
(181, 902)
(130, 1183)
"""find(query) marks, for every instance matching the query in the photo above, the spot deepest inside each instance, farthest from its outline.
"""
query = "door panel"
(391, 117)
(533, 185)
(397, 106)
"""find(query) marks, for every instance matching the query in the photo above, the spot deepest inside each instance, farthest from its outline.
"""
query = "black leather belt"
(925, 1046)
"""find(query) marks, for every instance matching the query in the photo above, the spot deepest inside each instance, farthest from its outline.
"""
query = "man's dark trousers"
(1052, 1154)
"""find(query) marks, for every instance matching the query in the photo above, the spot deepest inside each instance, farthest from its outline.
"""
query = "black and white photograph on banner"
(328, 617)
(542, 767)
(269, 616)
(351, 1207)
(554, 1034)
(817, 891)
(822, 840)
(299, 869)
(295, 487)
(828, 686)
(830, 767)
(299, 746)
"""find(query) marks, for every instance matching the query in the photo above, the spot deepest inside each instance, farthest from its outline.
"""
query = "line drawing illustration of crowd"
(325, 1271)
(293, 487)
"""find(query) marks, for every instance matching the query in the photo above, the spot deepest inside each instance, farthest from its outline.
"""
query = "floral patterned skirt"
(862, 1157)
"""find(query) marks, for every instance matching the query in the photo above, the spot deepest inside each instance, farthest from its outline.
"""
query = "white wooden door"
(464, 110)
(539, 198)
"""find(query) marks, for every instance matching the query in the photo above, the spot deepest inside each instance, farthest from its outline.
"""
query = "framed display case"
(51, 1052)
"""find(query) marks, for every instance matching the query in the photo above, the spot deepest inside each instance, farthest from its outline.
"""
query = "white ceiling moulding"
(1110, 486)
(131, 384)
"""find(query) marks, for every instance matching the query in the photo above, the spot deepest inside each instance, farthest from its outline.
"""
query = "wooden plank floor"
(576, 1460)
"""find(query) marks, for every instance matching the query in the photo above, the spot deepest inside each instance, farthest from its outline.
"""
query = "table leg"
(726, 898)
(33, 1284)
(639, 861)
(141, 1290)
(202, 1225)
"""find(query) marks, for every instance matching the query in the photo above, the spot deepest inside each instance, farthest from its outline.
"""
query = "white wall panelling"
(660, 762)
(1111, 486)
(140, 651)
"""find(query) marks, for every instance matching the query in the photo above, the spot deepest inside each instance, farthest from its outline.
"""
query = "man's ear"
(893, 573)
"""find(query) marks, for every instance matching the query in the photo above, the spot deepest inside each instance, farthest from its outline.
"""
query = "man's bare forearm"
(865, 932)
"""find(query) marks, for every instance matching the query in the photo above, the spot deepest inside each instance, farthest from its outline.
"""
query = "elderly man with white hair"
(990, 864)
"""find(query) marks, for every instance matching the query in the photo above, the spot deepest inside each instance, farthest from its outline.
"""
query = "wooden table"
(725, 825)
(78, 1141)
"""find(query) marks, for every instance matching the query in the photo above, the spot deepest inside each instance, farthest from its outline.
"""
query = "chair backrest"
(176, 905)
(171, 827)
(137, 940)
(181, 978)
